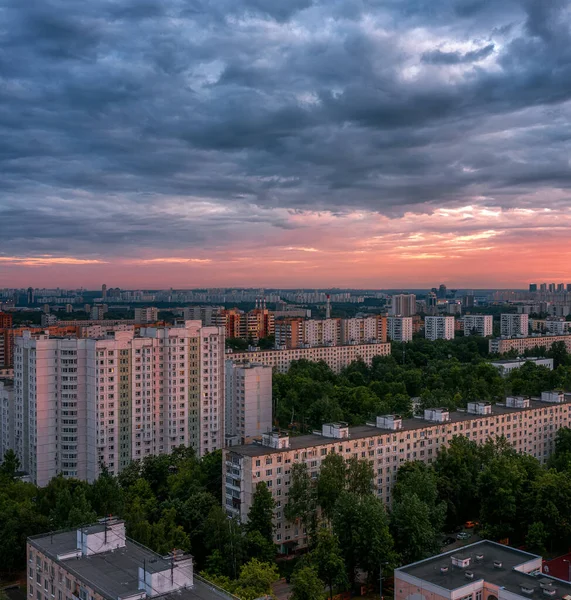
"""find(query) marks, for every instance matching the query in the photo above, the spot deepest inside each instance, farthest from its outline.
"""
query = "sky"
(298, 143)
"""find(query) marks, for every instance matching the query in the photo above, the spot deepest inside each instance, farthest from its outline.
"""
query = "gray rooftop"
(429, 570)
(114, 574)
(364, 431)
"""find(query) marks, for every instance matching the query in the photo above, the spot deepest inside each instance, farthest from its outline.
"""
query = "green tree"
(256, 580)
(306, 584)
(360, 476)
(536, 538)
(260, 515)
(561, 457)
(415, 537)
(331, 482)
(361, 526)
(301, 504)
(10, 465)
(327, 559)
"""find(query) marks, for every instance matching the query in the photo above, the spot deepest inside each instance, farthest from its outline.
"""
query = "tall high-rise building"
(248, 389)
(482, 325)
(512, 325)
(104, 291)
(399, 329)
(543, 287)
(403, 305)
(5, 320)
(30, 296)
(83, 403)
(560, 287)
(551, 288)
(442, 291)
(364, 330)
(439, 328)
(533, 287)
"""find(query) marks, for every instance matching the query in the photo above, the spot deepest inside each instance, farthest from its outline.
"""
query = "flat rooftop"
(364, 431)
(506, 576)
(114, 574)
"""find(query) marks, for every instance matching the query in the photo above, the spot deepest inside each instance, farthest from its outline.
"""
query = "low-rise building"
(99, 562)
(530, 426)
(336, 357)
(505, 367)
(484, 570)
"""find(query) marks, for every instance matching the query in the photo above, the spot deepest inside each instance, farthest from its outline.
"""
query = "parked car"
(463, 535)
(447, 541)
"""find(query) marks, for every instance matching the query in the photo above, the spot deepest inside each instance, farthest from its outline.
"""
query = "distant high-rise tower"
(543, 287)
(533, 287)
(30, 296)
(104, 291)
(551, 287)
(328, 307)
(442, 291)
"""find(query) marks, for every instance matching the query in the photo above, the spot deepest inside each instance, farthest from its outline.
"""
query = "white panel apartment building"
(439, 328)
(6, 417)
(322, 332)
(81, 403)
(514, 325)
(483, 325)
(248, 389)
(528, 425)
(399, 329)
(336, 357)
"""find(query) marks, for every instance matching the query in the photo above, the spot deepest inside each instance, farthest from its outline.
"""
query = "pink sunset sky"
(308, 143)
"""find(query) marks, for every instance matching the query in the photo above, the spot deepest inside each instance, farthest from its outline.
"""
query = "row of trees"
(440, 373)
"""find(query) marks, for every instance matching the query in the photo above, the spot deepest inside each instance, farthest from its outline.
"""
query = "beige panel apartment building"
(502, 345)
(336, 357)
(528, 425)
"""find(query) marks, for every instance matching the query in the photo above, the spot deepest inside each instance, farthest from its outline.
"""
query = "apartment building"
(5, 320)
(482, 325)
(6, 417)
(484, 570)
(557, 326)
(514, 325)
(336, 357)
(300, 333)
(150, 314)
(201, 313)
(439, 328)
(322, 332)
(255, 324)
(503, 345)
(82, 403)
(99, 562)
(364, 330)
(289, 333)
(248, 389)
(399, 329)
(403, 305)
(528, 425)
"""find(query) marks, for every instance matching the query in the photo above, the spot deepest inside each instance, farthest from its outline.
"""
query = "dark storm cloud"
(438, 57)
(110, 110)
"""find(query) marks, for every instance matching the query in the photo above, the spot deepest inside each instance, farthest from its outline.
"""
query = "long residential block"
(502, 345)
(528, 425)
(336, 357)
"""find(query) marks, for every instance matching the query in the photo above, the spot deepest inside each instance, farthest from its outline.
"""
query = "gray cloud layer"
(110, 110)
